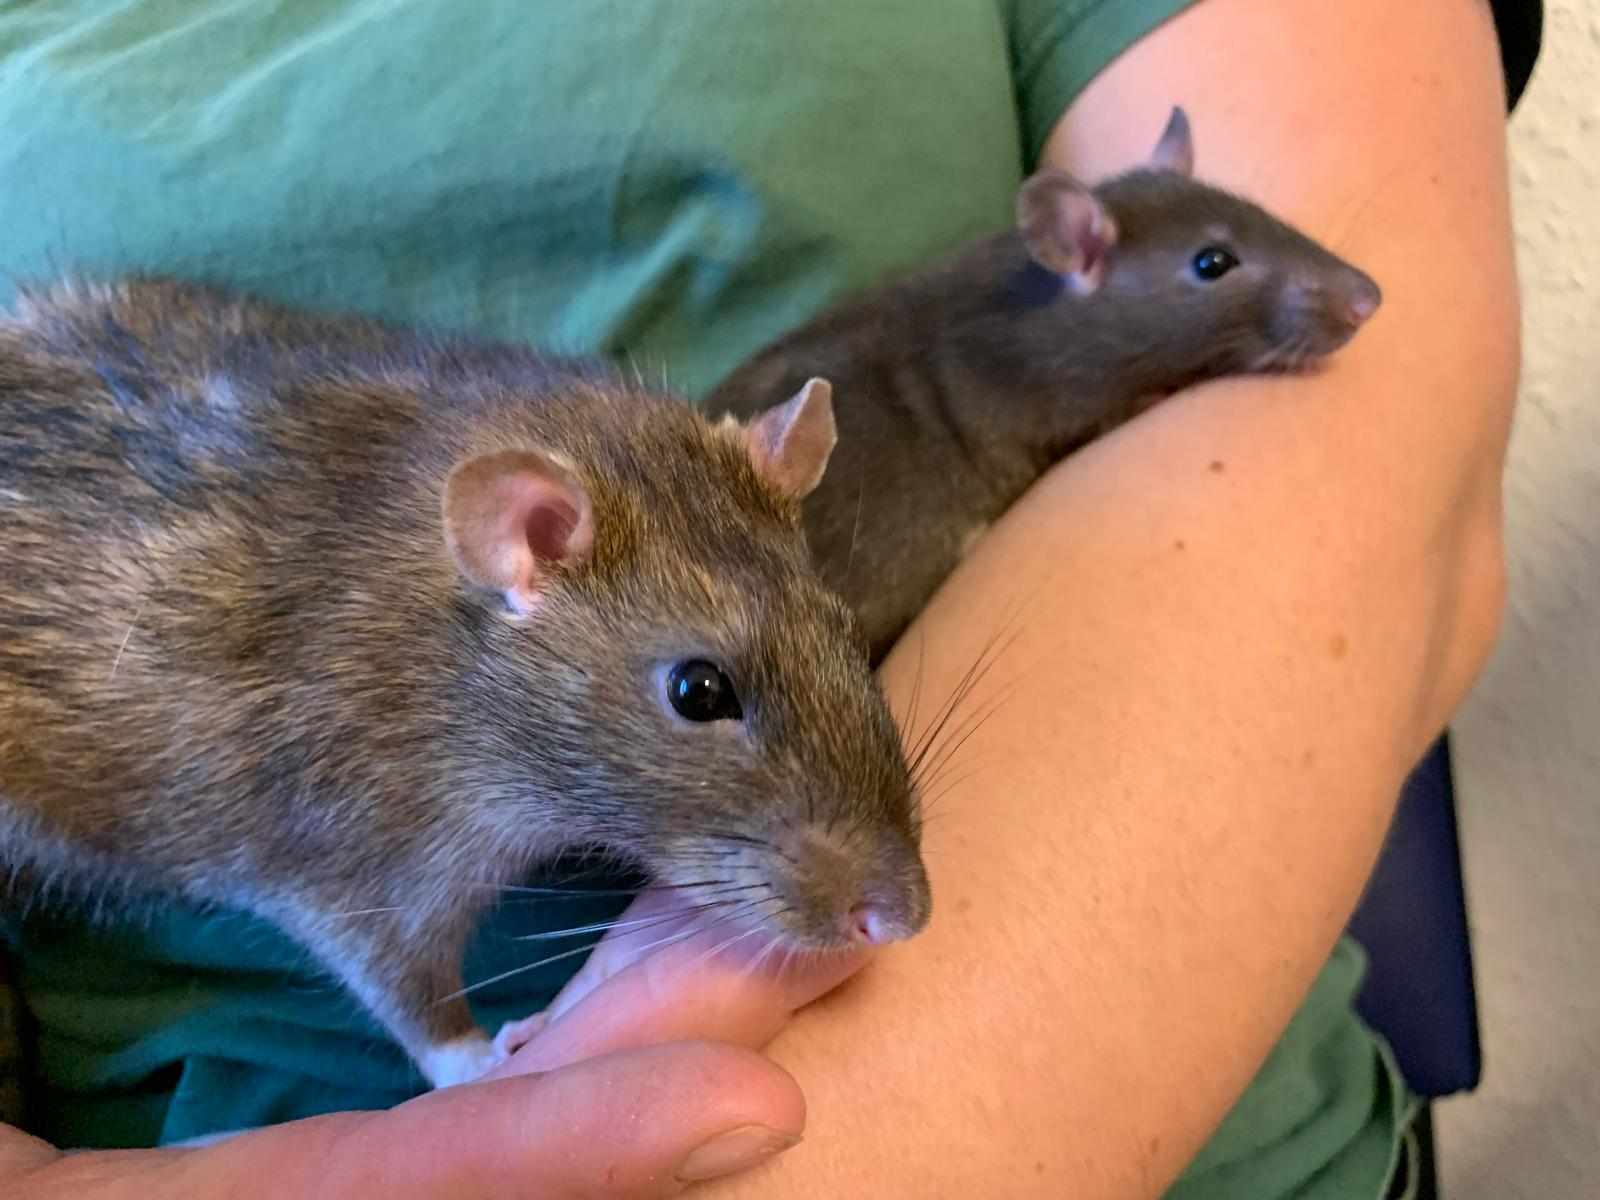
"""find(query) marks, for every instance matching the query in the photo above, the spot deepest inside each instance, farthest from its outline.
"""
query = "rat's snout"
(1361, 298)
(892, 906)
(893, 914)
(878, 923)
(850, 887)
(1343, 301)
(1318, 311)
(1348, 300)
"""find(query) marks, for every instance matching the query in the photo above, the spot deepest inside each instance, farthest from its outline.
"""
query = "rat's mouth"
(805, 890)
(1304, 355)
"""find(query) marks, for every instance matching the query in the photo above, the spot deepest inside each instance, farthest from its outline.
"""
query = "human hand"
(645, 1078)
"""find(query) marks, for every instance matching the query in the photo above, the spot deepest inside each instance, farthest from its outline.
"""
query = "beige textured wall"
(1528, 742)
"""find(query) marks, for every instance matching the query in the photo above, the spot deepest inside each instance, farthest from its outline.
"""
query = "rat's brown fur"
(237, 661)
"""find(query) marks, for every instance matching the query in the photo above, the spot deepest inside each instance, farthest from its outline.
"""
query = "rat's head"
(1194, 282)
(664, 673)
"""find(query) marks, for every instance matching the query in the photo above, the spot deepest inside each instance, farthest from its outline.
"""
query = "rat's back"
(195, 489)
(146, 401)
(149, 487)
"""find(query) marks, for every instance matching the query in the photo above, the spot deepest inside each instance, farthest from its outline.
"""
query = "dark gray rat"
(348, 625)
(960, 384)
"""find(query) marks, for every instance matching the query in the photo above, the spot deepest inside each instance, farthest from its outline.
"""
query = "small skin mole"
(964, 904)
(1338, 645)
(1180, 544)
(1038, 1168)
(1308, 759)
(1218, 466)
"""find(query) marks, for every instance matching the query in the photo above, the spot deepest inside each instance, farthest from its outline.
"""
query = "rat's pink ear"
(791, 442)
(1065, 228)
(1175, 150)
(512, 516)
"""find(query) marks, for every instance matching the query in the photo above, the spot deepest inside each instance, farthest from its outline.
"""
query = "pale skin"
(1238, 623)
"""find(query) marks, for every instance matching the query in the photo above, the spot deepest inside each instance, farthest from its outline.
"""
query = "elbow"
(1473, 594)
(1468, 611)
(1482, 504)
(1495, 361)
(1479, 607)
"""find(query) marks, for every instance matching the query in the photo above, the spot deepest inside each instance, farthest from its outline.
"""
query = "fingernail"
(737, 1150)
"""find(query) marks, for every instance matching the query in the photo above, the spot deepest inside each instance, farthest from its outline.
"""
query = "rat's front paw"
(470, 1057)
(514, 1035)
(459, 1061)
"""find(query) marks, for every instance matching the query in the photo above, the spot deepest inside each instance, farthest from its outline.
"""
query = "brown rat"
(347, 625)
(960, 384)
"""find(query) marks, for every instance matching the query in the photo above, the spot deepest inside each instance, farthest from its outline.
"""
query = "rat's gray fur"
(960, 384)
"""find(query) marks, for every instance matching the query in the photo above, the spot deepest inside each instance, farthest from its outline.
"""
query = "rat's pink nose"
(873, 925)
(1362, 302)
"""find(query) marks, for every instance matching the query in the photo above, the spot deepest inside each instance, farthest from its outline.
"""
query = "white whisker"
(117, 661)
(636, 923)
(533, 966)
(718, 949)
(363, 912)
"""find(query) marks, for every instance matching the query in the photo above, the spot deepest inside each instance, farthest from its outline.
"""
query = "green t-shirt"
(673, 180)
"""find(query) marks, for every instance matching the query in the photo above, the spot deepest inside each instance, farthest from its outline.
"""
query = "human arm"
(1247, 614)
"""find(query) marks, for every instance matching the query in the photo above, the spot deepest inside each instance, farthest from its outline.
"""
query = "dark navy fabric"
(1412, 922)
(1520, 26)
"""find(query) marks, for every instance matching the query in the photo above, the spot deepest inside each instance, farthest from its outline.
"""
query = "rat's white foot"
(514, 1035)
(460, 1061)
(466, 1058)
(206, 1139)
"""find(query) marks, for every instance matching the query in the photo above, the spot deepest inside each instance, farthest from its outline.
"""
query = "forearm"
(1244, 617)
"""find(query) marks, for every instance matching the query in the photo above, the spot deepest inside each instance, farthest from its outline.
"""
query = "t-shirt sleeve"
(1058, 46)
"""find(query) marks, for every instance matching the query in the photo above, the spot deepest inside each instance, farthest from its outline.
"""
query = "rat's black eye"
(1213, 263)
(700, 691)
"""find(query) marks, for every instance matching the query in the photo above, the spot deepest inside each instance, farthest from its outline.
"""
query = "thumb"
(631, 1125)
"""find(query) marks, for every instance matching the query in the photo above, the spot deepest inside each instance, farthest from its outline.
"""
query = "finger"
(634, 1125)
(706, 987)
(20, 1153)
(661, 926)
(631, 1126)
(655, 920)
